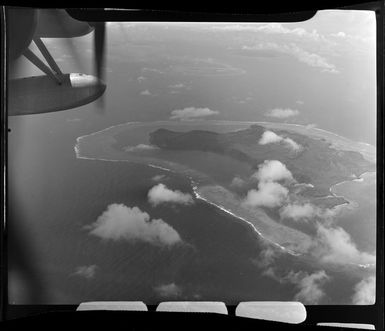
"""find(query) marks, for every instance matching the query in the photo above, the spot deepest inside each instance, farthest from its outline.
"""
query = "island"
(215, 155)
(317, 162)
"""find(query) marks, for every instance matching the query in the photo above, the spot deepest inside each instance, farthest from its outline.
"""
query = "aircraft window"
(228, 162)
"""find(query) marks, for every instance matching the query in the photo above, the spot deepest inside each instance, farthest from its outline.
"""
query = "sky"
(322, 66)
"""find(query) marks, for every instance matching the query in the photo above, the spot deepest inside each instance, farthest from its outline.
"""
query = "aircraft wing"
(56, 23)
(55, 90)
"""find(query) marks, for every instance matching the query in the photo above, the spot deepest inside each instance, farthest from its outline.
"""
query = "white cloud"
(168, 290)
(340, 34)
(141, 79)
(334, 245)
(272, 28)
(177, 86)
(298, 212)
(85, 271)
(192, 112)
(305, 211)
(311, 126)
(161, 194)
(282, 113)
(120, 222)
(292, 144)
(146, 92)
(331, 245)
(268, 255)
(158, 178)
(309, 58)
(237, 182)
(272, 170)
(300, 102)
(365, 292)
(152, 70)
(269, 194)
(242, 100)
(269, 137)
(353, 38)
(310, 286)
(140, 147)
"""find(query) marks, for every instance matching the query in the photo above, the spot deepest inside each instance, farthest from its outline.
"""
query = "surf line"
(359, 178)
(129, 161)
(198, 196)
(159, 167)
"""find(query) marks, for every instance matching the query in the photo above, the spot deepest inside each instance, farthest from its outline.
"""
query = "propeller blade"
(56, 23)
(99, 39)
(99, 59)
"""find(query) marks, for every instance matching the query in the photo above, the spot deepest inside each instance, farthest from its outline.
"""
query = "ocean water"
(69, 194)
(66, 194)
(213, 268)
(358, 218)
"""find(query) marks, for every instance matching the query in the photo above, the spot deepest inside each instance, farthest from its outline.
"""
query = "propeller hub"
(79, 80)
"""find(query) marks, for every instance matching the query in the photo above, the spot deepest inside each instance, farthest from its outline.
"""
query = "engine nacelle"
(40, 94)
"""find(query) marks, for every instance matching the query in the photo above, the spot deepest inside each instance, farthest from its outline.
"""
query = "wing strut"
(50, 60)
(53, 71)
(41, 65)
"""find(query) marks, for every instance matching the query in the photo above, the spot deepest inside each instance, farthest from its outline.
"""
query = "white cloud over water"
(86, 271)
(309, 285)
(270, 137)
(334, 245)
(152, 70)
(120, 222)
(177, 86)
(365, 292)
(162, 194)
(146, 93)
(309, 58)
(158, 178)
(168, 290)
(330, 245)
(282, 112)
(141, 79)
(189, 113)
(273, 28)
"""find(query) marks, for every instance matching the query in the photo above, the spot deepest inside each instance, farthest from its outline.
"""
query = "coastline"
(279, 233)
(252, 226)
(358, 179)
